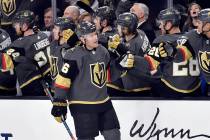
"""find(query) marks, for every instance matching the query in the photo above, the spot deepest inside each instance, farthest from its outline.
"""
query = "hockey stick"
(85, 7)
(47, 91)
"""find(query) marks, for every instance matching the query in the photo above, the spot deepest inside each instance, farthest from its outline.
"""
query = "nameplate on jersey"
(204, 61)
(42, 44)
(8, 7)
(98, 74)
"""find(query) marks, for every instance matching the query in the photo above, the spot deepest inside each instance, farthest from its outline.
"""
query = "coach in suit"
(142, 12)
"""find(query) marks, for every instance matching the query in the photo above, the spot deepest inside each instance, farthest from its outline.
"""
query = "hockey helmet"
(65, 23)
(128, 20)
(170, 15)
(25, 16)
(204, 15)
(105, 12)
(5, 39)
(85, 28)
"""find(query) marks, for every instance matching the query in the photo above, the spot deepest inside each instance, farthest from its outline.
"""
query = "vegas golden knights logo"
(204, 61)
(8, 6)
(98, 74)
(53, 67)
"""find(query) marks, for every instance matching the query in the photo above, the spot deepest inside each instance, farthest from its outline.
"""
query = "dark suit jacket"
(148, 29)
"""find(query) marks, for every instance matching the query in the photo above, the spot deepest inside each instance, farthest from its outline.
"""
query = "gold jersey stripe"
(7, 63)
(63, 82)
(89, 102)
(181, 90)
(31, 80)
(6, 23)
(152, 62)
(6, 88)
(187, 54)
(127, 90)
(34, 78)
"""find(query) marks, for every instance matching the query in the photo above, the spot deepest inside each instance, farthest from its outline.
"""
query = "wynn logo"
(153, 132)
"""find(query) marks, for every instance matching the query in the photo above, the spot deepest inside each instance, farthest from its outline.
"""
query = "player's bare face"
(91, 40)
(97, 23)
(56, 31)
(17, 28)
(204, 28)
(161, 27)
(119, 30)
(122, 31)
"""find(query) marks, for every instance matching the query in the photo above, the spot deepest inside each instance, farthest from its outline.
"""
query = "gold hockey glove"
(127, 61)
(67, 34)
(113, 42)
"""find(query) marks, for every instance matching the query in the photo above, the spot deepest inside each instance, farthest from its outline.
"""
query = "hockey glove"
(113, 42)
(67, 34)
(115, 46)
(70, 37)
(167, 50)
(59, 110)
(127, 61)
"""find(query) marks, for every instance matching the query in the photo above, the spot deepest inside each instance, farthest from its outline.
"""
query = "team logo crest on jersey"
(98, 74)
(204, 61)
(8, 6)
(53, 67)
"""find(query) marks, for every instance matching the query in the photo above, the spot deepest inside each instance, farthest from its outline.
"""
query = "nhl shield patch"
(98, 74)
(8, 6)
(204, 61)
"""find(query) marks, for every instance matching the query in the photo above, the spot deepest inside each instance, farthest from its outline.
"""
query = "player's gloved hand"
(167, 50)
(127, 61)
(113, 42)
(70, 37)
(115, 46)
(59, 110)
(67, 34)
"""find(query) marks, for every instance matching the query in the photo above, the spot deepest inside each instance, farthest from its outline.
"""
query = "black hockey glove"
(59, 110)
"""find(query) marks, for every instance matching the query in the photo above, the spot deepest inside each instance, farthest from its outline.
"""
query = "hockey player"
(199, 41)
(7, 75)
(82, 81)
(28, 54)
(137, 43)
(64, 39)
(178, 78)
(104, 21)
(175, 66)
